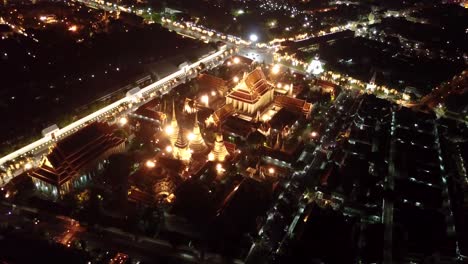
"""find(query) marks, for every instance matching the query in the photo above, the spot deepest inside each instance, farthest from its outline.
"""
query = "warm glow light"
(313, 134)
(204, 99)
(271, 170)
(211, 156)
(169, 130)
(150, 164)
(236, 60)
(191, 136)
(279, 85)
(219, 168)
(123, 121)
(276, 69)
(28, 166)
(213, 93)
(315, 67)
(72, 28)
(235, 79)
(169, 149)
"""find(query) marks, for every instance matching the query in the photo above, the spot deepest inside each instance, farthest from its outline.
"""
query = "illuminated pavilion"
(252, 93)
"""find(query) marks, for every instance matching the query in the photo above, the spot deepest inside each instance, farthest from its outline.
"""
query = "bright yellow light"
(191, 136)
(213, 93)
(276, 69)
(236, 60)
(313, 134)
(169, 130)
(204, 99)
(73, 28)
(28, 166)
(271, 170)
(235, 79)
(123, 121)
(279, 85)
(169, 149)
(211, 156)
(219, 168)
(150, 164)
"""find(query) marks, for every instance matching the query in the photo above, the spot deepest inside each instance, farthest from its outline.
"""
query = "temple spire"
(219, 151)
(197, 144)
(174, 127)
(181, 150)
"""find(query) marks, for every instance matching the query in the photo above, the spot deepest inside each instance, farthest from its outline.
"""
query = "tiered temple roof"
(251, 88)
(294, 104)
(76, 153)
(207, 81)
(222, 113)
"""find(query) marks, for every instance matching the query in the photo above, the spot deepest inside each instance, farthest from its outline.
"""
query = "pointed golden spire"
(197, 144)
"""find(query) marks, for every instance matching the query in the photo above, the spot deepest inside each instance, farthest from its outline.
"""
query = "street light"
(253, 37)
(276, 69)
(150, 164)
(123, 121)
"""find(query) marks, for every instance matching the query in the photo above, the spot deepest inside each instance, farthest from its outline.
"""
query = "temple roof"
(75, 152)
(251, 87)
(293, 104)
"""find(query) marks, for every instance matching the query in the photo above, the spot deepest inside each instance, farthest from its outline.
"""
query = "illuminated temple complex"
(76, 159)
(252, 93)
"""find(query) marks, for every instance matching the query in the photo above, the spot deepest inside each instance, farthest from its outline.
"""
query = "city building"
(74, 160)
